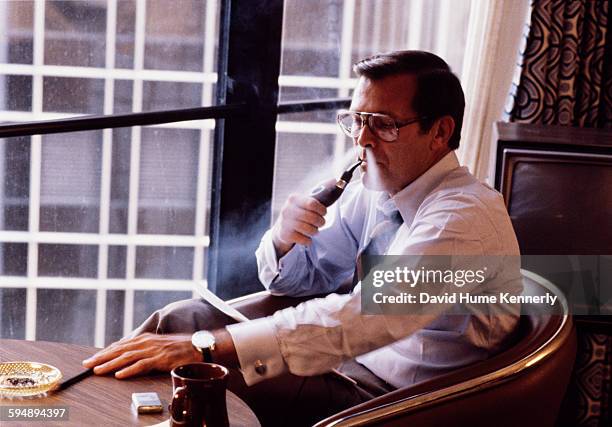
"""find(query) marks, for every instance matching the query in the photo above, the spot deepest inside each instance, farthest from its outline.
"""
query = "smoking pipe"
(328, 194)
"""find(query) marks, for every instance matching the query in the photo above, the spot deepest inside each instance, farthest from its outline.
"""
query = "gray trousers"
(287, 400)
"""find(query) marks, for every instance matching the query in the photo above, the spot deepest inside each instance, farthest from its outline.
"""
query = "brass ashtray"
(26, 379)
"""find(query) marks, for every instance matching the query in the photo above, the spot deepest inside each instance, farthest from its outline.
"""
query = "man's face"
(391, 166)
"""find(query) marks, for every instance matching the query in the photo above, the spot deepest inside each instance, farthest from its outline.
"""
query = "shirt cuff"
(291, 258)
(269, 266)
(257, 349)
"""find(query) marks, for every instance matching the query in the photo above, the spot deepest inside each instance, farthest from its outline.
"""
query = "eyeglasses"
(381, 125)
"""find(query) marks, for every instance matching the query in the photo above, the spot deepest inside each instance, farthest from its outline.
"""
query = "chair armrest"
(534, 377)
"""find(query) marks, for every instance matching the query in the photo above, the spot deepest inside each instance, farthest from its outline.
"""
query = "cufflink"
(260, 367)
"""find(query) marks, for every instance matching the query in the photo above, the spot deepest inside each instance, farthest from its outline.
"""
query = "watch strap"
(207, 354)
(205, 350)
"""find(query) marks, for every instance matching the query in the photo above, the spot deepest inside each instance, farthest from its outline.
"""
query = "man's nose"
(366, 137)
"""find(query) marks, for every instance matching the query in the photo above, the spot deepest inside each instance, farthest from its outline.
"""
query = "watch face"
(203, 339)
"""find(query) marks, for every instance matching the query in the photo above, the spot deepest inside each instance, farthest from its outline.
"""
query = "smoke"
(237, 265)
(373, 175)
(331, 167)
(237, 269)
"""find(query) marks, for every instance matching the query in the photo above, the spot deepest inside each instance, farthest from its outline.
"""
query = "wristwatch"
(204, 342)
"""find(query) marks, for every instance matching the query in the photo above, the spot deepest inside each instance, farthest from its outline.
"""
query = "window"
(111, 222)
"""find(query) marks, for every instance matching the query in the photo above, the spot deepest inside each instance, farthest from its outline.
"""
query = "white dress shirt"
(446, 211)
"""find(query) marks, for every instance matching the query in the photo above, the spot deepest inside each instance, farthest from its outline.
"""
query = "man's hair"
(438, 92)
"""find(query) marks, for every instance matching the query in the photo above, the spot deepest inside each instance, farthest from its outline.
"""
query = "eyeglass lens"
(381, 125)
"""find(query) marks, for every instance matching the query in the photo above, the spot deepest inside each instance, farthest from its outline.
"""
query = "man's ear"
(443, 130)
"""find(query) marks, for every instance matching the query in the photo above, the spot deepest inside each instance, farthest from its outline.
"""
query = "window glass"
(73, 95)
(67, 260)
(168, 178)
(154, 262)
(63, 314)
(123, 96)
(311, 37)
(14, 183)
(13, 259)
(17, 38)
(175, 44)
(120, 180)
(170, 95)
(18, 96)
(75, 33)
(126, 32)
(12, 317)
(70, 182)
(113, 326)
(116, 262)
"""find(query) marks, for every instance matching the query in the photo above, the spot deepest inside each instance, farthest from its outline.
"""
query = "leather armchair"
(523, 385)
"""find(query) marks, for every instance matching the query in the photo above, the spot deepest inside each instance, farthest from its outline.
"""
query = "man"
(405, 118)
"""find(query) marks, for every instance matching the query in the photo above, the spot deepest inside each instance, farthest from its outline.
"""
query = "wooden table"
(99, 401)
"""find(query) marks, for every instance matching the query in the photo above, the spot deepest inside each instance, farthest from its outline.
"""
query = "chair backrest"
(523, 385)
(557, 184)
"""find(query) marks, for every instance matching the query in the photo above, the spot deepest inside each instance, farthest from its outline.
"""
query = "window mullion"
(35, 168)
(105, 176)
(243, 167)
(201, 216)
(132, 226)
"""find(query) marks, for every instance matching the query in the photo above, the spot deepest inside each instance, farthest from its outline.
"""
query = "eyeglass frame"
(398, 123)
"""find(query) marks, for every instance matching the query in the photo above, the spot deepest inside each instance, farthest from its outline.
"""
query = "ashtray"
(26, 379)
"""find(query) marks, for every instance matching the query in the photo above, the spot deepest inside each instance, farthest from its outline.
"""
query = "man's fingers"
(142, 354)
(116, 349)
(105, 355)
(305, 228)
(307, 203)
(139, 368)
(102, 357)
(299, 220)
(292, 213)
(312, 218)
(313, 205)
(121, 361)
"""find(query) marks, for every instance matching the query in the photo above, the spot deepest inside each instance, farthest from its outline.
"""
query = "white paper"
(219, 304)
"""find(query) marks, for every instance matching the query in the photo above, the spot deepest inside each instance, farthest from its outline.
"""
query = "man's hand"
(144, 353)
(299, 220)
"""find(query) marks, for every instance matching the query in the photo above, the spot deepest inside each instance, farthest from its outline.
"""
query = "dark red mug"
(198, 397)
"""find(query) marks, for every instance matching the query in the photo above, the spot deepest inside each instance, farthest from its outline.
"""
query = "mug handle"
(178, 407)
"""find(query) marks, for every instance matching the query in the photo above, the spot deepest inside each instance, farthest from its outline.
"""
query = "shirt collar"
(410, 198)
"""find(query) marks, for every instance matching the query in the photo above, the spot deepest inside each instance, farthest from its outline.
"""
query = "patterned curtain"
(565, 78)
(588, 400)
(566, 71)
